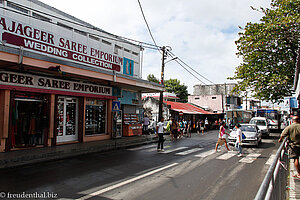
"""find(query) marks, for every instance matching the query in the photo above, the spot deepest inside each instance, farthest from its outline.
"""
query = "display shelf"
(131, 125)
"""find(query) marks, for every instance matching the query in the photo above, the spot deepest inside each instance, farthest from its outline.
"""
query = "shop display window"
(95, 115)
(29, 120)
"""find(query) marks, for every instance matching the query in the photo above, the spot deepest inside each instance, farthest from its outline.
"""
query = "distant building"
(174, 109)
(215, 98)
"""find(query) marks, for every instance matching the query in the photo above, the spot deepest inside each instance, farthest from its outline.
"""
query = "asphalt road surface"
(189, 169)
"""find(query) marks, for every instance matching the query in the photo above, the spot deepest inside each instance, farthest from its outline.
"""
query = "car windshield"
(258, 122)
(248, 128)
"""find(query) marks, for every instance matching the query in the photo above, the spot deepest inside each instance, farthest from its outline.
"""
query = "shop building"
(60, 77)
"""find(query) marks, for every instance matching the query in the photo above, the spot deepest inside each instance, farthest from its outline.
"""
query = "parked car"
(252, 133)
(262, 124)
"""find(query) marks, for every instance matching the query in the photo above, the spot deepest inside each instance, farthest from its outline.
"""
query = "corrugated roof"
(186, 108)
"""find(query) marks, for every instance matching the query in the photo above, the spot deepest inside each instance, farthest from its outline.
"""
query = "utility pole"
(161, 96)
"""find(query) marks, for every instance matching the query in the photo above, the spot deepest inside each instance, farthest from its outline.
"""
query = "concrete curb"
(37, 155)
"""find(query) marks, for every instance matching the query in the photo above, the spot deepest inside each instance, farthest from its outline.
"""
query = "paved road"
(188, 169)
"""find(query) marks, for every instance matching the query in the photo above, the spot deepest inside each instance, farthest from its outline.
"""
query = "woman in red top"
(222, 137)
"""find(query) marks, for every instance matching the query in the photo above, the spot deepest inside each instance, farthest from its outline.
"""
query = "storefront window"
(95, 115)
(29, 120)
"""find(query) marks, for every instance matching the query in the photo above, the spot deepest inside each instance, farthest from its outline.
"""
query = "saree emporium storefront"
(59, 77)
(49, 111)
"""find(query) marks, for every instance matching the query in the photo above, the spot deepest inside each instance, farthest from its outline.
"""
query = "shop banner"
(61, 44)
(40, 82)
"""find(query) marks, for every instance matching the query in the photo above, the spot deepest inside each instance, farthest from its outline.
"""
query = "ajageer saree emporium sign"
(40, 82)
(21, 34)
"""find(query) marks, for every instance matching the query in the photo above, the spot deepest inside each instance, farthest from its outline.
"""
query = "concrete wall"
(212, 102)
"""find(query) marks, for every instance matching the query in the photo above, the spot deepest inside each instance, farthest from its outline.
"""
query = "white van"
(262, 124)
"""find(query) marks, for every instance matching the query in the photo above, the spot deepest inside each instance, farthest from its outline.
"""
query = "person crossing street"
(160, 133)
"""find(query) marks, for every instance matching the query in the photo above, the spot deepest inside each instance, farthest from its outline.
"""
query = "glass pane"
(95, 115)
(71, 117)
(60, 110)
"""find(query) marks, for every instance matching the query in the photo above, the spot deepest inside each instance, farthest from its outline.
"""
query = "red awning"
(186, 108)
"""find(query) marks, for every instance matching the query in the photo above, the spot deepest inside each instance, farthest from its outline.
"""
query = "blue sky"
(200, 32)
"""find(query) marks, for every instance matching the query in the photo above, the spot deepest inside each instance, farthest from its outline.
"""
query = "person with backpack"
(238, 141)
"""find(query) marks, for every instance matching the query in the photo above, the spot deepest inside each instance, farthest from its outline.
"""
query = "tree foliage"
(152, 78)
(173, 85)
(269, 52)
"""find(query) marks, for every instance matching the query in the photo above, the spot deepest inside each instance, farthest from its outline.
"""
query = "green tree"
(269, 52)
(152, 78)
(173, 85)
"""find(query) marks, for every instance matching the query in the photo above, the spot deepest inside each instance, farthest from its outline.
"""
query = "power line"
(192, 69)
(115, 38)
(187, 69)
(147, 25)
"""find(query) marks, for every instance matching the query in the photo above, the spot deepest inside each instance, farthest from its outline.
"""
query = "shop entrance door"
(67, 127)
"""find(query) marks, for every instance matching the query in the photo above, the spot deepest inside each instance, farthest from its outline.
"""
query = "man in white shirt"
(160, 133)
(238, 142)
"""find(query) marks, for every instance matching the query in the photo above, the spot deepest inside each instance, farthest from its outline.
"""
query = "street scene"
(188, 169)
(144, 100)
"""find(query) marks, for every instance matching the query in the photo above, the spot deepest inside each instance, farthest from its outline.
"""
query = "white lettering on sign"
(20, 34)
(33, 81)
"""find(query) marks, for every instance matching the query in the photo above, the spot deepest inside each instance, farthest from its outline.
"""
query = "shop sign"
(29, 36)
(40, 82)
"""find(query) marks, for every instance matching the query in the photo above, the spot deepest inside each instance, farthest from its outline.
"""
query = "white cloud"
(201, 33)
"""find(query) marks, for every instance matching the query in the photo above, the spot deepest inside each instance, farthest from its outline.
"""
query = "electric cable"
(114, 38)
(148, 25)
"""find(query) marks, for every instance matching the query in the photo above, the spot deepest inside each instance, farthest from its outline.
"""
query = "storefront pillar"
(51, 119)
(109, 117)
(4, 120)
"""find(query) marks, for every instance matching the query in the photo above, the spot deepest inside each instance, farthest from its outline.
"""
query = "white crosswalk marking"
(271, 159)
(205, 154)
(189, 151)
(142, 147)
(227, 155)
(250, 158)
(172, 150)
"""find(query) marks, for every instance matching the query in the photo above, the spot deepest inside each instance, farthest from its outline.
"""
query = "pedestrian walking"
(146, 122)
(238, 141)
(222, 137)
(293, 133)
(202, 127)
(198, 126)
(184, 126)
(174, 129)
(189, 128)
(206, 124)
(160, 133)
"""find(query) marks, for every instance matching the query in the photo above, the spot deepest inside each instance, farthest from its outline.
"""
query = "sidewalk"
(36, 155)
(294, 185)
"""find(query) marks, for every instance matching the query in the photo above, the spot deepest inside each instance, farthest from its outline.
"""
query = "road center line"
(126, 182)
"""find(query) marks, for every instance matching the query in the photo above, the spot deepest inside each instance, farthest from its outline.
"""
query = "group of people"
(177, 130)
(222, 138)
